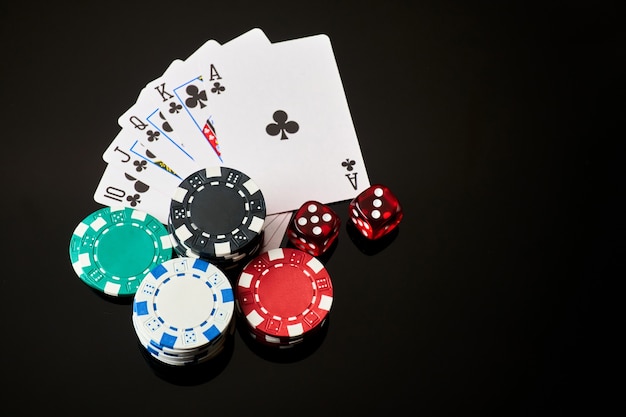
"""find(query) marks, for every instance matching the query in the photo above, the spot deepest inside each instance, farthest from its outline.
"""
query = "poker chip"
(174, 358)
(226, 262)
(113, 248)
(284, 295)
(173, 258)
(216, 211)
(183, 311)
(217, 214)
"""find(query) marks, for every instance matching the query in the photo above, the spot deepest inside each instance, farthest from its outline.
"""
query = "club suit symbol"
(217, 88)
(348, 164)
(139, 186)
(282, 125)
(196, 97)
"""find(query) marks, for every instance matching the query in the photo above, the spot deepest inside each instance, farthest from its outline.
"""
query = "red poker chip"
(269, 341)
(284, 293)
(274, 341)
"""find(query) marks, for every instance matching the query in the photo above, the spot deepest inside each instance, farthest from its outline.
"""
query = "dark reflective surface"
(497, 127)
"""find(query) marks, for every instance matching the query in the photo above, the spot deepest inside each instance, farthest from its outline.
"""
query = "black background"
(495, 125)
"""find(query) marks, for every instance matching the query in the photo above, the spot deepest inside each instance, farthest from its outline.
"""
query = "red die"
(314, 228)
(375, 212)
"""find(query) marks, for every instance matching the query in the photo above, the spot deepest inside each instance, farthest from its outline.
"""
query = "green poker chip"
(114, 248)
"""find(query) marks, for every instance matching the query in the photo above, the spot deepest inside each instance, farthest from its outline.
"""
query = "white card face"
(276, 112)
(166, 93)
(274, 230)
(120, 187)
(117, 187)
(132, 156)
(154, 131)
(284, 121)
(181, 94)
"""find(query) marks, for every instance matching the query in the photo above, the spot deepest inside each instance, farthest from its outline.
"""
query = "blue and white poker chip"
(182, 310)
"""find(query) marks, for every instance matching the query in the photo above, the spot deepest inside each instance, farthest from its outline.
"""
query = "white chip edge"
(139, 215)
(254, 318)
(256, 224)
(179, 195)
(183, 233)
(325, 302)
(215, 171)
(275, 254)
(251, 186)
(81, 229)
(98, 223)
(245, 279)
(222, 249)
(315, 265)
(295, 329)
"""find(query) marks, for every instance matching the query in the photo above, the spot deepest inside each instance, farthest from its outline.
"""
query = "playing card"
(130, 155)
(117, 187)
(181, 94)
(277, 112)
(165, 92)
(274, 230)
(126, 155)
(154, 130)
(284, 120)
(125, 188)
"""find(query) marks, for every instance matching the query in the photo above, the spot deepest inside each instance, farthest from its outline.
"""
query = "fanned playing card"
(130, 155)
(183, 91)
(151, 125)
(118, 187)
(276, 112)
(284, 120)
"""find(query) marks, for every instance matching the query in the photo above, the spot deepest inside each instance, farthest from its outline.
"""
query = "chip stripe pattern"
(283, 295)
(194, 235)
(113, 248)
(183, 311)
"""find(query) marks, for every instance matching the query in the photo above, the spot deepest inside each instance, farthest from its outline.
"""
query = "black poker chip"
(225, 263)
(217, 213)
